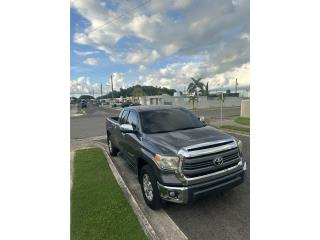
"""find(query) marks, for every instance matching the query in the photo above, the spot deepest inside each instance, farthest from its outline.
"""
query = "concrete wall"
(245, 108)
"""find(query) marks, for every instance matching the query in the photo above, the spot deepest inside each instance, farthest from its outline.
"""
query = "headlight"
(240, 146)
(167, 162)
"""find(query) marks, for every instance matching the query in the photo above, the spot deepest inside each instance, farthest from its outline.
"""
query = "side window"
(133, 119)
(124, 117)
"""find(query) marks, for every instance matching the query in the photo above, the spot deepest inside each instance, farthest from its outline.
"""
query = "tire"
(111, 149)
(148, 183)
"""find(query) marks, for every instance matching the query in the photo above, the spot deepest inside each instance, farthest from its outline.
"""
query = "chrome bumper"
(180, 194)
(185, 193)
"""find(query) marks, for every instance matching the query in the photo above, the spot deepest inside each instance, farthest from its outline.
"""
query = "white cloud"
(141, 68)
(178, 76)
(91, 61)
(145, 56)
(215, 32)
(83, 85)
(80, 53)
(216, 28)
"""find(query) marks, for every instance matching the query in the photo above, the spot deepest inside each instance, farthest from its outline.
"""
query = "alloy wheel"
(147, 187)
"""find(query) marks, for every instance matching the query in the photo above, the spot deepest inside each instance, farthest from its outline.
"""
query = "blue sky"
(162, 43)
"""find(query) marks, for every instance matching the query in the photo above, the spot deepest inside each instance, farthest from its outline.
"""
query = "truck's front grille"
(205, 164)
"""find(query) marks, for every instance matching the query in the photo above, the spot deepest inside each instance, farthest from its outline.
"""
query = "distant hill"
(139, 90)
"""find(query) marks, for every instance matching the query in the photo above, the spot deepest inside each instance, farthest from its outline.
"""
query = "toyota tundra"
(176, 156)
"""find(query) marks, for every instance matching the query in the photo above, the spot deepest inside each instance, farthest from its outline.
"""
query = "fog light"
(172, 194)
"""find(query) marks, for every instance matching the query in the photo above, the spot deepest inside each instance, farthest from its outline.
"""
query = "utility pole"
(93, 92)
(221, 106)
(111, 89)
(101, 90)
(236, 85)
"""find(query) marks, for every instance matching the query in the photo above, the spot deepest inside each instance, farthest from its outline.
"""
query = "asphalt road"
(221, 217)
(93, 122)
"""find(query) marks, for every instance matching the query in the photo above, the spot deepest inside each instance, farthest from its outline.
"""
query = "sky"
(158, 43)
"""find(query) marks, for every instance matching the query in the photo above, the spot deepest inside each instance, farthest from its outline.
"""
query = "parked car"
(135, 104)
(83, 103)
(126, 104)
(176, 156)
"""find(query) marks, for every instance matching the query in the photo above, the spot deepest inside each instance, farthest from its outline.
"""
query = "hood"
(172, 142)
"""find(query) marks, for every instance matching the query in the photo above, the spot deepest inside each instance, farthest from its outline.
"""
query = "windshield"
(168, 120)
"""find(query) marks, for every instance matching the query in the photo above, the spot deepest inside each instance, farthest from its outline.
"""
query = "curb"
(147, 227)
(72, 153)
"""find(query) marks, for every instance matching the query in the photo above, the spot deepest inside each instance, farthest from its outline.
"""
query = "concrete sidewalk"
(75, 111)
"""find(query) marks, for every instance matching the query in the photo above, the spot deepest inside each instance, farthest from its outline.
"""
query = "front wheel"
(111, 149)
(149, 187)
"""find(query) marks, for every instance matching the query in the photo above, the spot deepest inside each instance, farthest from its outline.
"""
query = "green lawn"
(99, 209)
(236, 128)
(243, 120)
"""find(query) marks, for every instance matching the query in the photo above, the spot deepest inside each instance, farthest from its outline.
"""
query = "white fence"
(203, 101)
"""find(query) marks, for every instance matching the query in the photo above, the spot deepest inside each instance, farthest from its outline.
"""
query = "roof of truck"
(144, 108)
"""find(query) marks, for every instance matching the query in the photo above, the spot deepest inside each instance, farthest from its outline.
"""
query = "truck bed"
(112, 120)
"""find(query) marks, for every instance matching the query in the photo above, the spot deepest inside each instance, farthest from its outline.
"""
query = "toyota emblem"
(218, 161)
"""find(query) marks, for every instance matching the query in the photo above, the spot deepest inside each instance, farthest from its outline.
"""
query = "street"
(223, 216)
(93, 122)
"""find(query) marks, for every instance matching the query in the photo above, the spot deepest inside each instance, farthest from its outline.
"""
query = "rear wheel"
(149, 187)
(111, 149)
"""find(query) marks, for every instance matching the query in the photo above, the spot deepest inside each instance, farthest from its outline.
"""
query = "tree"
(193, 99)
(86, 97)
(195, 85)
(137, 92)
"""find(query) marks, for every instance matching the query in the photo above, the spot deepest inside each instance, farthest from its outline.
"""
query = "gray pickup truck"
(176, 156)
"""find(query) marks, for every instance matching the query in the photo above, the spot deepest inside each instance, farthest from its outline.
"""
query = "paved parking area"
(222, 217)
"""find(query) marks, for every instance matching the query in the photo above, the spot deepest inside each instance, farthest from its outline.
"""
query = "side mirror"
(201, 118)
(126, 128)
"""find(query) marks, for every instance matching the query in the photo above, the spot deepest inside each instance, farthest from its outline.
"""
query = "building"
(184, 101)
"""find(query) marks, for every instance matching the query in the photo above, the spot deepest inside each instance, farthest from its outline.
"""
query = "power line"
(116, 18)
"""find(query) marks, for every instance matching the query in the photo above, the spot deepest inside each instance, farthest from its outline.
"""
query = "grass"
(99, 209)
(243, 120)
(236, 128)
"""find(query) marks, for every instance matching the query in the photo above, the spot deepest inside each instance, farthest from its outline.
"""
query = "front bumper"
(187, 194)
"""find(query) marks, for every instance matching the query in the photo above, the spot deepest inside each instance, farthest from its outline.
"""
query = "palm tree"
(193, 99)
(195, 85)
